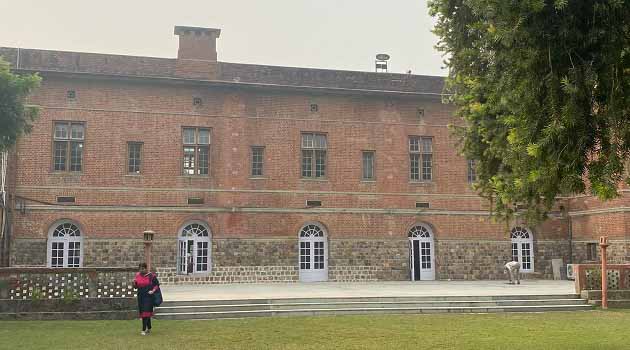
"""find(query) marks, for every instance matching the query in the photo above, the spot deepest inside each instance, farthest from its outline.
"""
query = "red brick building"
(260, 173)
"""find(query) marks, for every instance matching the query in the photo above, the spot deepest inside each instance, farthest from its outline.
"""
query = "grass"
(560, 330)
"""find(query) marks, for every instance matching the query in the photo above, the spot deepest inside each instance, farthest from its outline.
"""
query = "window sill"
(194, 176)
(313, 179)
(194, 274)
(55, 172)
(134, 175)
(369, 181)
(257, 178)
(421, 183)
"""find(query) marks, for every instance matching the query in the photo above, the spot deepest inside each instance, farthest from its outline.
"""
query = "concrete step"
(214, 309)
(363, 304)
(353, 311)
(369, 299)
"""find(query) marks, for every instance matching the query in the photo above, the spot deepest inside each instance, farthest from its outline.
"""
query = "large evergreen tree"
(543, 88)
(16, 117)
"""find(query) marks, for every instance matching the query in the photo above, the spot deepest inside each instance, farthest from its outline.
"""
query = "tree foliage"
(544, 89)
(16, 117)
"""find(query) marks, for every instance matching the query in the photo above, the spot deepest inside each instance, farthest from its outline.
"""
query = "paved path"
(370, 289)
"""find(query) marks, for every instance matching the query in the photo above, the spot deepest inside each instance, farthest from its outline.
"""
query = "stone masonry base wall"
(349, 260)
(471, 260)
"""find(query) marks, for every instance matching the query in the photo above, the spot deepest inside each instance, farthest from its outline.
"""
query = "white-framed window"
(134, 157)
(523, 248)
(472, 171)
(420, 158)
(69, 139)
(314, 147)
(258, 160)
(194, 248)
(367, 162)
(65, 245)
(196, 151)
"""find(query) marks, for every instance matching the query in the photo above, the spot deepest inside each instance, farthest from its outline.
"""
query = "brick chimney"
(197, 53)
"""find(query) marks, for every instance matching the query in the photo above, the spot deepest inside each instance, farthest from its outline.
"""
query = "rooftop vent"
(381, 62)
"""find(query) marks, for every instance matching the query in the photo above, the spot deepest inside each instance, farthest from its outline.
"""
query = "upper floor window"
(69, 138)
(196, 151)
(367, 165)
(472, 170)
(257, 160)
(420, 158)
(134, 157)
(314, 155)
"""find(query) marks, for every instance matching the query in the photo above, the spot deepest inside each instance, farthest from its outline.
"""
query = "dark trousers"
(146, 323)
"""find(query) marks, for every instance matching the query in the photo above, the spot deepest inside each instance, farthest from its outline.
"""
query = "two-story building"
(253, 173)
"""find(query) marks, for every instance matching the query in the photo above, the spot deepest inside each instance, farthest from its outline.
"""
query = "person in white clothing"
(513, 268)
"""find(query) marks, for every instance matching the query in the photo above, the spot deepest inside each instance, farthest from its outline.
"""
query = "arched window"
(193, 255)
(421, 253)
(65, 245)
(313, 253)
(419, 231)
(522, 248)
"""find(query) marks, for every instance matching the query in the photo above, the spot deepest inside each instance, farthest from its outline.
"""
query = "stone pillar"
(148, 244)
(603, 243)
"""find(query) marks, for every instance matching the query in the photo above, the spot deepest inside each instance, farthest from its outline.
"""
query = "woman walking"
(147, 284)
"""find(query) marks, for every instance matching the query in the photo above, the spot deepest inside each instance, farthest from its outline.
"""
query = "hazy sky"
(333, 34)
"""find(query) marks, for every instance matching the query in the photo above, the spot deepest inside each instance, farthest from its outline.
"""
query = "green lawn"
(566, 330)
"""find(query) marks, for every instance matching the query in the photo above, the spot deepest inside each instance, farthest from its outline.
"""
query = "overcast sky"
(333, 34)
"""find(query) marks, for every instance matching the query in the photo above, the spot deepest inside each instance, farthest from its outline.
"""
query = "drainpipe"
(569, 232)
(6, 238)
(4, 207)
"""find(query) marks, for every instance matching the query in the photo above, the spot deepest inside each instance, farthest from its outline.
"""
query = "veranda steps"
(223, 309)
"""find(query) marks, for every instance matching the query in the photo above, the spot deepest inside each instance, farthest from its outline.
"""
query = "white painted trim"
(600, 211)
(217, 190)
(319, 210)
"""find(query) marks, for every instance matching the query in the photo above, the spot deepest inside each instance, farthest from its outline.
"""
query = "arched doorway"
(313, 253)
(193, 254)
(65, 245)
(522, 248)
(421, 253)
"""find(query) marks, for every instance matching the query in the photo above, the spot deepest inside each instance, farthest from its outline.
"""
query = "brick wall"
(255, 221)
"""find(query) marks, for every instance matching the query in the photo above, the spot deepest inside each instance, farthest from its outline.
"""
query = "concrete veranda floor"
(365, 289)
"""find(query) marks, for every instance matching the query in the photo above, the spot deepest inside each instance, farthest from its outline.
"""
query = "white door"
(522, 248)
(182, 257)
(193, 255)
(64, 246)
(313, 254)
(421, 254)
(201, 256)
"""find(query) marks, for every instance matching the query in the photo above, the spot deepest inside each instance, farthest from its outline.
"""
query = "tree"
(16, 117)
(543, 88)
